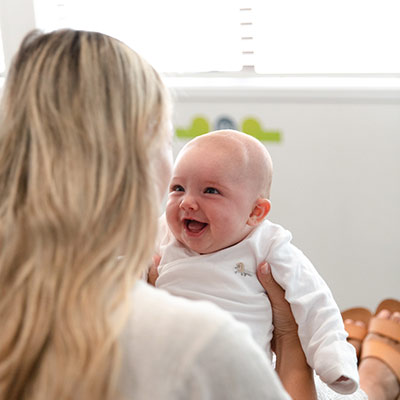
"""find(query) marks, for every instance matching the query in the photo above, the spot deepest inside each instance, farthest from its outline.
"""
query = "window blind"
(175, 35)
(285, 37)
(327, 37)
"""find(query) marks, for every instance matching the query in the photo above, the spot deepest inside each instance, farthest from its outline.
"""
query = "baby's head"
(219, 190)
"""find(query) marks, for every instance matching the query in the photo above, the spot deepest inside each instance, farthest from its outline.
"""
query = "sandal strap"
(355, 332)
(385, 327)
(357, 314)
(384, 352)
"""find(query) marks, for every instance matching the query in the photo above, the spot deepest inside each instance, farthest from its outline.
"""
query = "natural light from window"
(173, 35)
(287, 37)
(327, 37)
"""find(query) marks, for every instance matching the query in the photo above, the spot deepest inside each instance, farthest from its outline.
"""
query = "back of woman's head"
(81, 117)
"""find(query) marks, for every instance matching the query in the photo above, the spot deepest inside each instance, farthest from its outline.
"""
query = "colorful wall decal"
(199, 126)
(225, 122)
(252, 127)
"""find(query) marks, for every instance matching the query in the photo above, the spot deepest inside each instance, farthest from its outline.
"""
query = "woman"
(84, 159)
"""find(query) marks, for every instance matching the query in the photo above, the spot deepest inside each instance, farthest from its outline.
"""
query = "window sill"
(365, 89)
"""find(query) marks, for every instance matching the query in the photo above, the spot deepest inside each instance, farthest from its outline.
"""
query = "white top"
(177, 349)
(228, 279)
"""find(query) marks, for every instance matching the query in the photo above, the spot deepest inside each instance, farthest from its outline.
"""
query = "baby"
(214, 234)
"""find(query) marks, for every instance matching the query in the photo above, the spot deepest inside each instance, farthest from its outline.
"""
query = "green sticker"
(252, 127)
(200, 126)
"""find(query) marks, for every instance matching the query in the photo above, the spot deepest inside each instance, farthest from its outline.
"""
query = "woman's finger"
(153, 270)
(274, 291)
(282, 316)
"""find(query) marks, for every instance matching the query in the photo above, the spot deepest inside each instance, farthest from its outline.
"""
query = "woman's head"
(82, 117)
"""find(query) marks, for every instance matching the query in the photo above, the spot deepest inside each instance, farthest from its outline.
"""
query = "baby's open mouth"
(194, 226)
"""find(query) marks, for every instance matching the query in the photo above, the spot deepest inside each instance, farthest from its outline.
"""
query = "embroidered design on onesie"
(240, 269)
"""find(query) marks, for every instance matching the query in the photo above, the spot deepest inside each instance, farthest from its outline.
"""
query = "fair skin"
(376, 379)
(292, 368)
(215, 198)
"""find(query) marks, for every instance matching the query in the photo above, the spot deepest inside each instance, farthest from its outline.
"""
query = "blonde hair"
(81, 117)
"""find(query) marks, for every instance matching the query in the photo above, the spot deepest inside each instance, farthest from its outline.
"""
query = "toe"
(396, 317)
(384, 314)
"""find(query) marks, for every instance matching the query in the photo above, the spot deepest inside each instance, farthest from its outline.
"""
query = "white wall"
(337, 170)
(17, 18)
(336, 182)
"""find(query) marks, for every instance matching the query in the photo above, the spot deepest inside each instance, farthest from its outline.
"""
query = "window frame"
(225, 84)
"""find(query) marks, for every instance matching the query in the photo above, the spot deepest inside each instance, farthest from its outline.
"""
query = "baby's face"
(210, 199)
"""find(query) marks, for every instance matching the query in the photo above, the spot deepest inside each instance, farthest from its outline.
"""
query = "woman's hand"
(153, 270)
(291, 365)
(285, 327)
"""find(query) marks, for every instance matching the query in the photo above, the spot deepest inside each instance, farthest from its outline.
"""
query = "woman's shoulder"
(155, 308)
(162, 339)
(173, 346)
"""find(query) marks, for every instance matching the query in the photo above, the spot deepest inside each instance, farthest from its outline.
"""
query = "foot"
(356, 322)
(353, 341)
(376, 379)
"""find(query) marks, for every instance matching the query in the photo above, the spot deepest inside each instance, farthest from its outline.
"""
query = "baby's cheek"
(224, 232)
(171, 216)
(171, 209)
(233, 230)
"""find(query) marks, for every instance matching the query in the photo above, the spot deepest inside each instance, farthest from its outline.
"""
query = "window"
(173, 35)
(327, 37)
(285, 37)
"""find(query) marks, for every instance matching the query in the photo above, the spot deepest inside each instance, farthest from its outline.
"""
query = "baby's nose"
(189, 203)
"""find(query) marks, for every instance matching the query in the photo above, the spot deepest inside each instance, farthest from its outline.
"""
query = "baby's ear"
(259, 212)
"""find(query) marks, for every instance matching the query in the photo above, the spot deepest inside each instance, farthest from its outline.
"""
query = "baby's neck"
(249, 231)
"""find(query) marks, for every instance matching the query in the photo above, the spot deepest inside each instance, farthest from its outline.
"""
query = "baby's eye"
(211, 190)
(177, 188)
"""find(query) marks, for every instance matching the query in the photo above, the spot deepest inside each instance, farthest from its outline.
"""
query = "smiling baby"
(214, 234)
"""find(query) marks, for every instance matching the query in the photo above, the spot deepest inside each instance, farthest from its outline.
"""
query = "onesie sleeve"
(321, 328)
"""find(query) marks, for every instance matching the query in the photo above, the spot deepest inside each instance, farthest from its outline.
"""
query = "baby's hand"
(153, 271)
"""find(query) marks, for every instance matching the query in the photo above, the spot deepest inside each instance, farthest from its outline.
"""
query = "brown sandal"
(380, 348)
(356, 332)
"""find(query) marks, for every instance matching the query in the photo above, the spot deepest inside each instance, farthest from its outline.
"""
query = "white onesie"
(228, 279)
